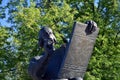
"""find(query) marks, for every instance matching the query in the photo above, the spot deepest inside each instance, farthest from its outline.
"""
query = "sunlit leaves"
(28, 16)
(3, 36)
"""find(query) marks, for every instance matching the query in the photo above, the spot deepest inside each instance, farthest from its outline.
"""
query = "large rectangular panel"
(78, 52)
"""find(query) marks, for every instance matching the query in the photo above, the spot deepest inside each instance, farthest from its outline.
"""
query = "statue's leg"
(41, 67)
(38, 66)
(33, 66)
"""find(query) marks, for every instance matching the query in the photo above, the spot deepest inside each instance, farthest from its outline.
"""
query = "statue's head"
(46, 37)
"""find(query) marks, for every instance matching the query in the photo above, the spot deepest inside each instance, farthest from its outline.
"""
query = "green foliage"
(3, 36)
(18, 43)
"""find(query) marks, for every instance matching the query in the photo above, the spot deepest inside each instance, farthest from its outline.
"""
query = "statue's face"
(46, 36)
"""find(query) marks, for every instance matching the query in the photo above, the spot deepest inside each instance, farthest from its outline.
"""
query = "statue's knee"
(33, 64)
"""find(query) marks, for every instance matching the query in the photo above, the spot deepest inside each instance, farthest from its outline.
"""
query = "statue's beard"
(49, 44)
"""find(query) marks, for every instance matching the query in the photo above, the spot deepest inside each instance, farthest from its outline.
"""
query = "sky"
(4, 22)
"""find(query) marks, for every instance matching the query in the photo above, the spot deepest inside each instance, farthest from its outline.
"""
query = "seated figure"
(38, 64)
(47, 66)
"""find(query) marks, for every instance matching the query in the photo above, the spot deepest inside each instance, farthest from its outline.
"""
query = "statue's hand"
(91, 27)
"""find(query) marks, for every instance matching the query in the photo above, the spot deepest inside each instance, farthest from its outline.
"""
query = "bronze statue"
(47, 66)
(39, 63)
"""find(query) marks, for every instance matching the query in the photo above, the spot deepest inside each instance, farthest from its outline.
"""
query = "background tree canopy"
(19, 36)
